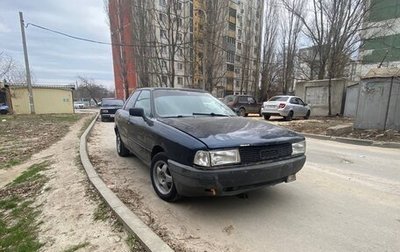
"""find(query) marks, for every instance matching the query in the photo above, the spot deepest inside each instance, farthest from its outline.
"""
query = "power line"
(97, 41)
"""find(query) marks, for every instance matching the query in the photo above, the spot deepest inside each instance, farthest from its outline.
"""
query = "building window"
(179, 22)
(239, 46)
(179, 6)
(164, 80)
(237, 70)
(180, 66)
(230, 67)
(162, 3)
(230, 57)
(237, 58)
(163, 64)
(180, 80)
(240, 32)
(232, 12)
(232, 26)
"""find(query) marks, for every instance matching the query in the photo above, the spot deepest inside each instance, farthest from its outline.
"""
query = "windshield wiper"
(210, 114)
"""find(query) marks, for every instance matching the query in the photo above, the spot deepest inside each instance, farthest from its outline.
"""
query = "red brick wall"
(128, 51)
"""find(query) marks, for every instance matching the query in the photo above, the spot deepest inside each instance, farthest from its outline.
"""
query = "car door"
(252, 105)
(122, 119)
(139, 128)
(302, 107)
(294, 103)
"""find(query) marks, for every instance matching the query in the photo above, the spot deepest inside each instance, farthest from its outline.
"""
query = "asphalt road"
(346, 198)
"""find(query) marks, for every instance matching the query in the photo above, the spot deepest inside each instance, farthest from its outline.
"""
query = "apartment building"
(212, 45)
(381, 42)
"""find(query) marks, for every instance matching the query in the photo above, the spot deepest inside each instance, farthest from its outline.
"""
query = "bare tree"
(334, 29)
(269, 67)
(11, 71)
(213, 18)
(89, 89)
(291, 28)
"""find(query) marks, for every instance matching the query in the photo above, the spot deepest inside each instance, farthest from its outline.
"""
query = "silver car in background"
(286, 106)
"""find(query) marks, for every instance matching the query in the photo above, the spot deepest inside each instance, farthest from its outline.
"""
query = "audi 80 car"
(195, 145)
(108, 108)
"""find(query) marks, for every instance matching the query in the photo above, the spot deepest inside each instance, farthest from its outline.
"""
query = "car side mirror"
(138, 112)
(305, 104)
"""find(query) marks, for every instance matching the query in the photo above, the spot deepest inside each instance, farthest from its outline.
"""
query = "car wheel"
(161, 178)
(121, 149)
(102, 119)
(266, 117)
(242, 112)
(289, 117)
(307, 115)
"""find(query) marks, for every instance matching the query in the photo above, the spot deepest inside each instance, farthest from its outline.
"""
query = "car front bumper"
(190, 181)
(110, 116)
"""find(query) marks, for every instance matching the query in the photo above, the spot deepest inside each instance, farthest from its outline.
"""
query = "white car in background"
(286, 106)
(79, 105)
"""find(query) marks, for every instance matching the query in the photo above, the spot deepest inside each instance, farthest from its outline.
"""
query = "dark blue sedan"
(195, 145)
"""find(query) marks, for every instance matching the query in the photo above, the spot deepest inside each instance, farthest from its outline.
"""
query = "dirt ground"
(71, 217)
(23, 135)
(319, 125)
(132, 185)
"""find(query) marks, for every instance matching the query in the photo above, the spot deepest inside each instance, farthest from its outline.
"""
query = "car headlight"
(104, 110)
(216, 158)
(298, 148)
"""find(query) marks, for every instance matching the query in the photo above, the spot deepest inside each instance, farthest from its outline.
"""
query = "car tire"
(289, 117)
(266, 117)
(121, 149)
(161, 178)
(307, 115)
(102, 119)
(242, 112)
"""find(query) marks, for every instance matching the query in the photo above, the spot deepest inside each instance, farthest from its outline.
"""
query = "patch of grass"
(77, 247)
(33, 173)
(11, 163)
(102, 212)
(18, 216)
(21, 136)
(133, 244)
(86, 124)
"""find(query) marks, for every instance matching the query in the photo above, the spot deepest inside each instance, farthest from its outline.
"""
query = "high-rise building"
(381, 41)
(212, 45)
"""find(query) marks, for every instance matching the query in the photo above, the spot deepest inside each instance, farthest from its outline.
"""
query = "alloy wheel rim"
(162, 177)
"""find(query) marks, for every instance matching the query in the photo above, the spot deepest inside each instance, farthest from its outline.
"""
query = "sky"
(55, 59)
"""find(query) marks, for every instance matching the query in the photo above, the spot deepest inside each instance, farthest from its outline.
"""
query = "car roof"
(172, 89)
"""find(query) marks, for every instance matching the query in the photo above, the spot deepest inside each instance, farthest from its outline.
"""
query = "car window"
(242, 99)
(143, 102)
(174, 103)
(278, 98)
(251, 100)
(300, 101)
(112, 103)
(131, 101)
(294, 101)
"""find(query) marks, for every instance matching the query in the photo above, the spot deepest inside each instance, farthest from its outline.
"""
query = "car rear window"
(279, 98)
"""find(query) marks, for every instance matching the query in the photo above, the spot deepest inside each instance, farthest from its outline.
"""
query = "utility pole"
(28, 72)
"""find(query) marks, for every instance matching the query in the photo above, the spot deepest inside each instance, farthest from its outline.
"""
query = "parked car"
(195, 145)
(286, 106)
(108, 108)
(4, 109)
(79, 105)
(243, 104)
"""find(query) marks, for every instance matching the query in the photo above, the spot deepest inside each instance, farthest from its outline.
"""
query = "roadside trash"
(4, 120)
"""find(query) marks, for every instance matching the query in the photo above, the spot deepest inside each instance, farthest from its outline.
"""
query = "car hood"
(226, 132)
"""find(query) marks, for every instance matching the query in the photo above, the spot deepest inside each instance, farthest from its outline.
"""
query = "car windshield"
(279, 98)
(229, 98)
(112, 103)
(180, 103)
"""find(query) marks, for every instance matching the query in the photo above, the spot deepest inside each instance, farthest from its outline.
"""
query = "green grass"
(11, 163)
(18, 216)
(102, 212)
(77, 247)
(33, 173)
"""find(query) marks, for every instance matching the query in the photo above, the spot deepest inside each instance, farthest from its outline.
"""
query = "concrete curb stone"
(150, 240)
(354, 141)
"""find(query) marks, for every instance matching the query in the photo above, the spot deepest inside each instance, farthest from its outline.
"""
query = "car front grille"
(255, 154)
(109, 111)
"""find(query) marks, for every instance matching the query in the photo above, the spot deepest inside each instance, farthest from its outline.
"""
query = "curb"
(354, 141)
(150, 240)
